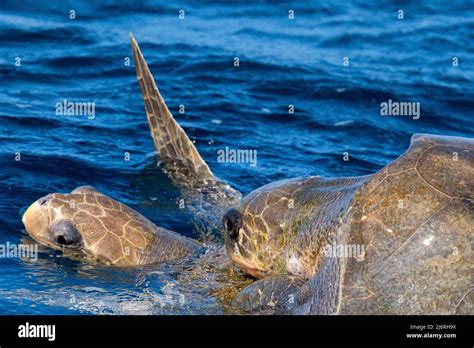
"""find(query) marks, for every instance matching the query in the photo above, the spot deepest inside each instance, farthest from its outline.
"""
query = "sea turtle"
(87, 224)
(398, 241)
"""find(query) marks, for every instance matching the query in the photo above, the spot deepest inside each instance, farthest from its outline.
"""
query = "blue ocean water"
(283, 62)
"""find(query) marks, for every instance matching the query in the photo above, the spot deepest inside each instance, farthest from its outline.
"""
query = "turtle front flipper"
(289, 294)
(204, 195)
(171, 142)
(273, 294)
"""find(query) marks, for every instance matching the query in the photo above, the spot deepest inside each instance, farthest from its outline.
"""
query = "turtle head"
(254, 232)
(86, 224)
(260, 232)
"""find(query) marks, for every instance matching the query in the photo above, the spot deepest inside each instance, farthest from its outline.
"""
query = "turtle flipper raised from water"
(204, 195)
(171, 142)
(412, 222)
(287, 229)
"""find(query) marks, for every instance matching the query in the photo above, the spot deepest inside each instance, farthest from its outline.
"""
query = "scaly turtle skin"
(412, 223)
(282, 232)
(87, 224)
(416, 221)
(205, 195)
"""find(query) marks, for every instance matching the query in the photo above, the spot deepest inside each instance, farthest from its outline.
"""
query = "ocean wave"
(282, 62)
(52, 35)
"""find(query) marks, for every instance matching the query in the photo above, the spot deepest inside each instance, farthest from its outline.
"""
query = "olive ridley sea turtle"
(396, 242)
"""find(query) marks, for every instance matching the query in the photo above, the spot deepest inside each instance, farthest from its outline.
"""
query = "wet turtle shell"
(410, 226)
(415, 220)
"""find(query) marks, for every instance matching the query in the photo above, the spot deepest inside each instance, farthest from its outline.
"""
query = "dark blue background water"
(282, 62)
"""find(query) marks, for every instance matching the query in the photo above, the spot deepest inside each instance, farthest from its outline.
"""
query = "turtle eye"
(68, 239)
(44, 200)
(63, 240)
(65, 234)
(232, 223)
(229, 225)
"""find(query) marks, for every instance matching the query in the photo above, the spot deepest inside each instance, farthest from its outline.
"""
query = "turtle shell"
(414, 222)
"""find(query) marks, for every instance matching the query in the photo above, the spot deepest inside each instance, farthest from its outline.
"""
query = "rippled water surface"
(282, 62)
